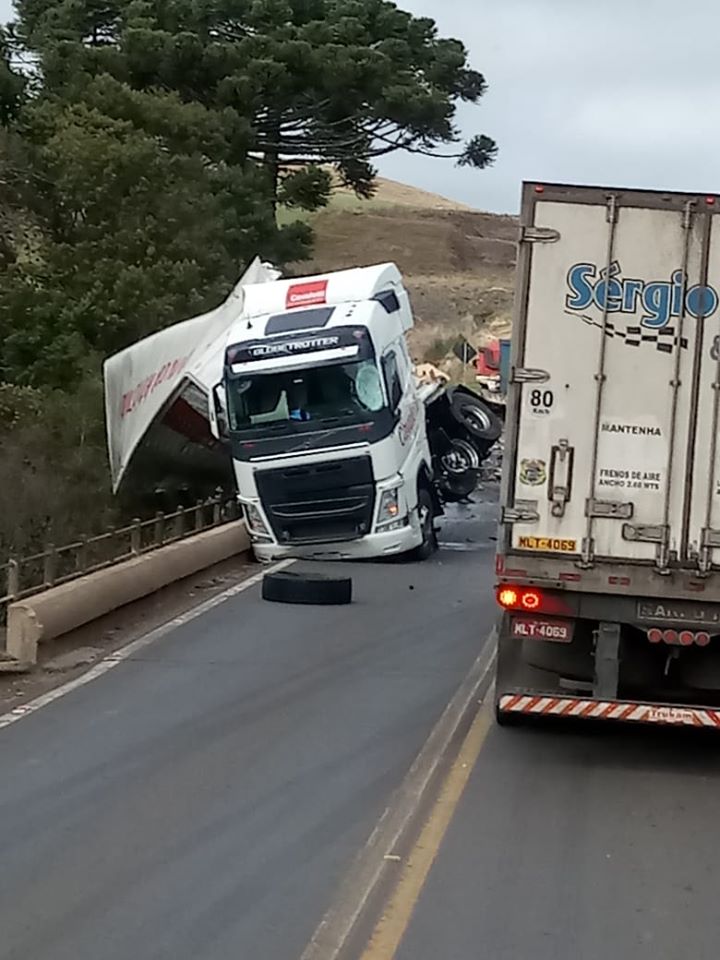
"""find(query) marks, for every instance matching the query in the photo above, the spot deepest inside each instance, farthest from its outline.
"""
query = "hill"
(458, 262)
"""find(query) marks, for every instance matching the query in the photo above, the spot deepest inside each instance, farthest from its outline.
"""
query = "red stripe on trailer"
(627, 711)
(513, 702)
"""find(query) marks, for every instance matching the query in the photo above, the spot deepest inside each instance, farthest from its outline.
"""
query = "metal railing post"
(136, 537)
(111, 534)
(50, 566)
(217, 506)
(82, 563)
(13, 578)
(159, 530)
(180, 523)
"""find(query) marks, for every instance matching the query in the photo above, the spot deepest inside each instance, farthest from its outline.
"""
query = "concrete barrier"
(59, 610)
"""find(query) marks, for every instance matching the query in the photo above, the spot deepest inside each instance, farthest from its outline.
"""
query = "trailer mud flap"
(615, 710)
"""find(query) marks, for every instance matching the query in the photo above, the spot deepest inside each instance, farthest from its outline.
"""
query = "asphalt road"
(578, 843)
(204, 798)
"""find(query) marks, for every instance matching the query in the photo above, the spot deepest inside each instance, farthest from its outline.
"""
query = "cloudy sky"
(621, 93)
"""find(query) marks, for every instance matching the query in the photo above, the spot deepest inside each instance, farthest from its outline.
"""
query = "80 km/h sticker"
(541, 402)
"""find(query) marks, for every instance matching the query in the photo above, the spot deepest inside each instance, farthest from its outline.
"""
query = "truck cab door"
(405, 404)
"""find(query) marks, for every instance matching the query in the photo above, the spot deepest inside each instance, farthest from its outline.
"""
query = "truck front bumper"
(373, 547)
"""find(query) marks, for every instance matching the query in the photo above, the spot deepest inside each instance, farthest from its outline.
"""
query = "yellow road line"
(391, 927)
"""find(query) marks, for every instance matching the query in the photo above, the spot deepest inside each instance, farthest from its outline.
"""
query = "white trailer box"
(610, 549)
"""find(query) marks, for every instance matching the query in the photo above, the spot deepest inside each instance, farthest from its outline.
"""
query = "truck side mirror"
(218, 419)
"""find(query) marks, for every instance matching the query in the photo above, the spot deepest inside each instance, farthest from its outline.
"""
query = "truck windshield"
(330, 393)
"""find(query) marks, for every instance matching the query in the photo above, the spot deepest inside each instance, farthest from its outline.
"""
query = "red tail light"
(519, 598)
(686, 638)
(509, 598)
(530, 600)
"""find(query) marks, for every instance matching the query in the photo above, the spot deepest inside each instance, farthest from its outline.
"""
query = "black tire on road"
(426, 509)
(477, 418)
(312, 589)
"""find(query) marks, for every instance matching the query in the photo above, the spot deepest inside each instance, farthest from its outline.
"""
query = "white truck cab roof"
(371, 297)
(330, 289)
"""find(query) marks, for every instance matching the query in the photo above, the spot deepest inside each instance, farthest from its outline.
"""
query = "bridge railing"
(24, 576)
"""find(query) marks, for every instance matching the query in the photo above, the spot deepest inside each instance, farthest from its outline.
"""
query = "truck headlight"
(254, 520)
(389, 517)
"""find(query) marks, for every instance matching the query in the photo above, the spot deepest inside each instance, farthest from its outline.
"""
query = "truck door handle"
(560, 480)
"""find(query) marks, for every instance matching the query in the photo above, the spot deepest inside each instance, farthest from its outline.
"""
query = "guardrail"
(24, 576)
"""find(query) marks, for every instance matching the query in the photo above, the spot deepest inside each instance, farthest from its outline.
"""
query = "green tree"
(132, 236)
(12, 85)
(144, 206)
(300, 83)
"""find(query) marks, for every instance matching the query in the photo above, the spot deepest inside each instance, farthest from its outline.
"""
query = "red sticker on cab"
(307, 294)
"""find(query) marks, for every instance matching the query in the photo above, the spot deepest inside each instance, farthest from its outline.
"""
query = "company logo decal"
(408, 426)
(291, 347)
(653, 304)
(138, 395)
(309, 294)
(533, 473)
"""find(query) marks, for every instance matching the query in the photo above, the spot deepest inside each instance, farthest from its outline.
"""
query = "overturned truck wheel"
(477, 418)
(313, 589)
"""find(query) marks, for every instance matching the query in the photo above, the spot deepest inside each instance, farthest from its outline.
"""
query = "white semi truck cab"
(326, 420)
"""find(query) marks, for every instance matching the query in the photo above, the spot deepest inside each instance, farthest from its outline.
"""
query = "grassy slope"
(458, 262)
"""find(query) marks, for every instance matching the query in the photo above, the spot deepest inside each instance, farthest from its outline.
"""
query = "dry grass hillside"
(458, 262)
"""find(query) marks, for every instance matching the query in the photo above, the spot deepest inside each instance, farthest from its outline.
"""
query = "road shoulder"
(71, 656)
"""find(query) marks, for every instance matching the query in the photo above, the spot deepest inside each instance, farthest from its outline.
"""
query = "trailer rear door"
(616, 354)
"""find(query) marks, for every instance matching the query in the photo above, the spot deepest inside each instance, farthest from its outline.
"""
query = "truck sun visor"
(335, 339)
(299, 320)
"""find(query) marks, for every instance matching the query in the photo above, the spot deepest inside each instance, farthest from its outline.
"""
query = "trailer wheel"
(312, 589)
(458, 489)
(479, 421)
(426, 510)
(461, 458)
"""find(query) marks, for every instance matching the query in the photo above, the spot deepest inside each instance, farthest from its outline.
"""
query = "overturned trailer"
(156, 404)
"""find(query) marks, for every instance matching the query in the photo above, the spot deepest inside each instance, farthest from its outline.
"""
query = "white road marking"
(113, 659)
(340, 921)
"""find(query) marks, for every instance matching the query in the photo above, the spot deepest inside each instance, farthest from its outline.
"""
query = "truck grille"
(319, 503)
